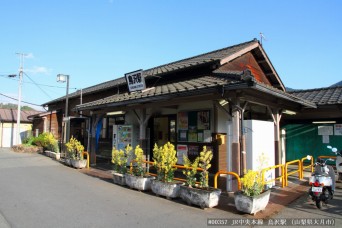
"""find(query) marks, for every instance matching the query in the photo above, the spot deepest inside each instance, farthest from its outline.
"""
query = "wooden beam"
(239, 53)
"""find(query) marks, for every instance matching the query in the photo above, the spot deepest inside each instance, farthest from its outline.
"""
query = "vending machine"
(124, 135)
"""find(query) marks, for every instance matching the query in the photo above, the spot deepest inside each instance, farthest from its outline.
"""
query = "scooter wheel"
(319, 204)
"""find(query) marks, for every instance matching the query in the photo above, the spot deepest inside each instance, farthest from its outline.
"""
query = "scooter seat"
(320, 174)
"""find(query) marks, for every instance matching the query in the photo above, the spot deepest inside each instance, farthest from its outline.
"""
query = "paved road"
(304, 207)
(36, 191)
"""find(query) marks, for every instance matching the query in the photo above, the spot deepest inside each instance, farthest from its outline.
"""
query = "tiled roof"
(180, 88)
(213, 56)
(321, 96)
(337, 84)
(209, 57)
(285, 95)
(10, 115)
(92, 89)
(191, 86)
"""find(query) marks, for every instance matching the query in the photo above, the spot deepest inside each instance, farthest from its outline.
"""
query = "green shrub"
(47, 141)
(29, 140)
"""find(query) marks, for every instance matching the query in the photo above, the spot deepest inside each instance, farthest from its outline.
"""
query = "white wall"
(260, 146)
(259, 140)
(9, 133)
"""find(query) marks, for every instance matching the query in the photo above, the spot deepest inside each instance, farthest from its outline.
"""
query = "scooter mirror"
(309, 157)
(329, 147)
(334, 150)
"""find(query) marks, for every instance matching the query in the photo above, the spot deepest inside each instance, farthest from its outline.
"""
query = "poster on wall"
(325, 130)
(200, 137)
(207, 136)
(183, 135)
(203, 120)
(194, 126)
(181, 150)
(193, 151)
(182, 121)
(338, 129)
(192, 136)
(325, 139)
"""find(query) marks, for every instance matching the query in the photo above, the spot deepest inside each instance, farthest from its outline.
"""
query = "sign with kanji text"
(338, 129)
(135, 81)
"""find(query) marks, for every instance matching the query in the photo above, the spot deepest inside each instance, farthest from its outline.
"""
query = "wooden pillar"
(236, 142)
(143, 120)
(277, 150)
(235, 152)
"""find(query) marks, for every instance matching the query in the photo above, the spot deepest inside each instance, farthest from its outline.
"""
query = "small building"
(311, 130)
(230, 100)
(8, 126)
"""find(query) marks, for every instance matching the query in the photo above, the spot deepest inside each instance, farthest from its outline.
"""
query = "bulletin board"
(194, 126)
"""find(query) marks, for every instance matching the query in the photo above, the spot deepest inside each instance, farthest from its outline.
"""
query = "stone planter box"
(200, 197)
(119, 178)
(58, 156)
(47, 153)
(52, 154)
(67, 161)
(251, 204)
(169, 190)
(139, 183)
(78, 164)
(55, 155)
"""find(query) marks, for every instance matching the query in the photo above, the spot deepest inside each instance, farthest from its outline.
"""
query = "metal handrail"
(174, 166)
(295, 171)
(281, 177)
(228, 173)
(327, 156)
(308, 166)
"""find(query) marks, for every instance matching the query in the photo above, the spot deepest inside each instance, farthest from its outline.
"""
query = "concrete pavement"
(36, 191)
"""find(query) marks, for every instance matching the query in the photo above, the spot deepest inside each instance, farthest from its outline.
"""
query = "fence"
(283, 178)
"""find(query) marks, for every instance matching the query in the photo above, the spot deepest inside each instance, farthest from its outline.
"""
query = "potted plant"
(164, 160)
(201, 195)
(136, 177)
(52, 145)
(75, 153)
(49, 144)
(119, 159)
(252, 197)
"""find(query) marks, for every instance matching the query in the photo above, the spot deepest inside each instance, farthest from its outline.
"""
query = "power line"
(38, 86)
(12, 78)
(17, 100)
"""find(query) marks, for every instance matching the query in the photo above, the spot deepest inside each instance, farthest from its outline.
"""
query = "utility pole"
(21, 71)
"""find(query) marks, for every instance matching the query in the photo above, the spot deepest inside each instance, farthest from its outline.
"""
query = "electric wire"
(32, 82)
(12, 78)
(21, 101)
(38, 86)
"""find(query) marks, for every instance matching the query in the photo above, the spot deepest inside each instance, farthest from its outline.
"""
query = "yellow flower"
(252, 183)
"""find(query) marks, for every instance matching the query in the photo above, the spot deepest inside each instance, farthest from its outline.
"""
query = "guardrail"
(174, 166)
(328, 156)
(228, 173)
(308, 166)
(281, 178)
(299, 170)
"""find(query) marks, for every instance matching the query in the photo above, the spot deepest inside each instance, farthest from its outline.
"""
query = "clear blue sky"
(99, 40)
